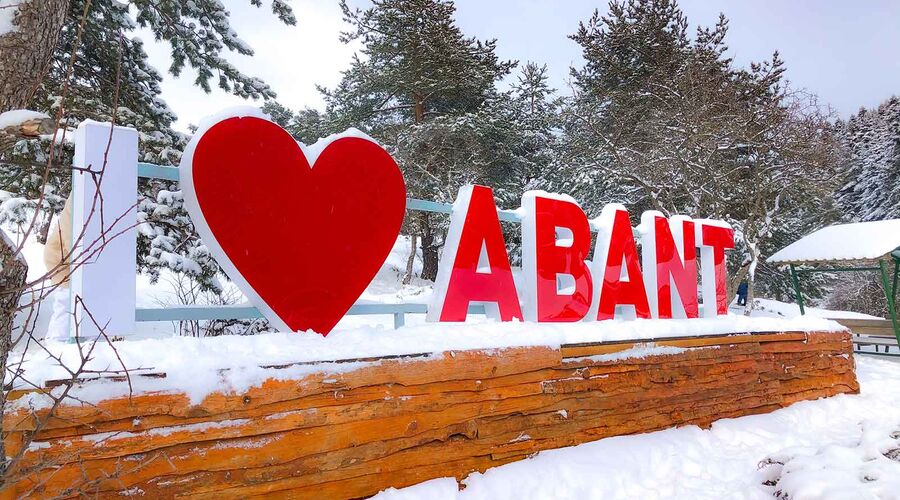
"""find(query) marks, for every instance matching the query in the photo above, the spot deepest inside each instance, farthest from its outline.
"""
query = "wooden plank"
(879, 341)
(452, 392)
(875, 332)
(852, 322)
(882, 334)
(564, 436)
(870, 327)
(591, 349)
(449, 366)
(123, 443)
(355, 433)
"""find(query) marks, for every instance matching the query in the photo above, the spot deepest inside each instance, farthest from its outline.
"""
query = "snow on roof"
(844, 242)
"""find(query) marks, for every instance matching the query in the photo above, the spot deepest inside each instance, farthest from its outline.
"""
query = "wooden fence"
(877, 334)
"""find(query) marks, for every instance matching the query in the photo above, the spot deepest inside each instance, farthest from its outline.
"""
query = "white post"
(104, 215)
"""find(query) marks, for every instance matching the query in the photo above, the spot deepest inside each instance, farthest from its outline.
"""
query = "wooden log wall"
(398, 422)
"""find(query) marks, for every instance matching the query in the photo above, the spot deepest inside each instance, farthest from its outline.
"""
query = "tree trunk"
(429, 260)
(13, 271)
(418, 109)
(410, 262)
(751, 276)
(25, 55)
(429, 251)
(25, 51)
(748, 308)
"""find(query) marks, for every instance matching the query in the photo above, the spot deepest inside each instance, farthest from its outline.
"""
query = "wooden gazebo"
(862, 246)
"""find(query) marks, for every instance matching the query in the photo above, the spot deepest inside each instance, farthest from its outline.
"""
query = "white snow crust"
(312, 151)
(200, 366)
(16, 116)
(857, 241)
(786, 310)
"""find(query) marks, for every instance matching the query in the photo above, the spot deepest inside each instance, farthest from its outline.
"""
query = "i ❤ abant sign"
(303, 231)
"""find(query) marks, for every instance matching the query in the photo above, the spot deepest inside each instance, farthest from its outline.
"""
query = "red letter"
(614, 250)
(556, 239)
(713, 239)
(669, 248)
(474, 266)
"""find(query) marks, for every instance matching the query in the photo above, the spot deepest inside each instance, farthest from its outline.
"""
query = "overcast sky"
(847, 52)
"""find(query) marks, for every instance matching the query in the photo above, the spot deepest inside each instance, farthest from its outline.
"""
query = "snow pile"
(774, 308)
(193, 366)
(199, 366)
(859, 241)
(312, 151)
(869, 468)
(833, 449)
(17, 116)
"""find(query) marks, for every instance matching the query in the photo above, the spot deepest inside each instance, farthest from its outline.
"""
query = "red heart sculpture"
(301, 242)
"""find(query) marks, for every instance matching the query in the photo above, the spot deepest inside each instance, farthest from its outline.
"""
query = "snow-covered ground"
(843, 447)
(778, 309)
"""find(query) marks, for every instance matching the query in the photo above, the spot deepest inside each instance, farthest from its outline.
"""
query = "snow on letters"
(560, 284)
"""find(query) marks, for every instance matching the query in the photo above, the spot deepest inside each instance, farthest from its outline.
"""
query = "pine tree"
(871, 189)
(664, 121)
(307, 125)
(100, 71)
(508, 142)
(536, 119)
(417, 86)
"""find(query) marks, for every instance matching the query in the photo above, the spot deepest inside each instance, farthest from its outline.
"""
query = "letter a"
(616, 264)
(474, 266)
